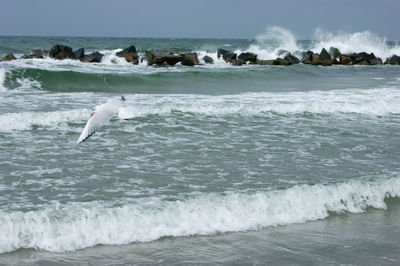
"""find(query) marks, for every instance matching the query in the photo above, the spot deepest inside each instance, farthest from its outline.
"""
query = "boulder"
(92, 58)
(265, 62)
(248, 57)
(393, 60)
(376, 61)
(159, 58)
(31, 56)
(208, 60)
(324, 58)
(334, 53)
(221, 52)
(40, 53)
(8, 57)
(345, 59)
(130, 54)
(78, 54)
(363, 58)
(281, 62)
(189, 59)
(237, 62)
(292, 59)
(229, 57)
(306, 57)
(60, 51)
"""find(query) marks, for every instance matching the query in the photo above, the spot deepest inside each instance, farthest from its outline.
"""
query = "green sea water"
(215, 164)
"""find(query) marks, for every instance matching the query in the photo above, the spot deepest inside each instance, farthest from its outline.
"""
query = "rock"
(8, 57)
(363, 58)
(292, 59)
(376, 61)
(130, 54)
(40, 53)
(306, 57)
(265, 62)
(222, 52)
(325, 58)
(228, 56)
(237, 62)
(315, 59)
(78, 54)
(208, 60)
(155, 57)
(393, 60)
(345, 60)
(92, 58)
(281, 62)
(334, 53)
(248, 57)
(31, 56)
(189, 59)
(60, 51)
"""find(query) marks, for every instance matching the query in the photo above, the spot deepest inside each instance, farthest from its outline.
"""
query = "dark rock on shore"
(40, 53)
(248, 57)
(306, 57)
(162, 58)
(130, 54)
(265, 62)
(345, 59)
(8, 57)
(78, 54)
(393, 60)
(281, 62)
(291, 59)
(335, 53)
(208, 60)
(228, 56)
(324, 58)
(92, 58)
(31, 56)
(189, 59)
(60, 51)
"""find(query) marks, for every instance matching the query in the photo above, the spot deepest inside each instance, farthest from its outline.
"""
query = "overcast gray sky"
(196, 19)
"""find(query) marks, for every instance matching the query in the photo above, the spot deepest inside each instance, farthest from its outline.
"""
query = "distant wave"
(367, 102)
(80, 225)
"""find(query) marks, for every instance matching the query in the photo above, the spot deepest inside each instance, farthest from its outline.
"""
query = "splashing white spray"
(364, 41)
(2, 80)
(272, 41)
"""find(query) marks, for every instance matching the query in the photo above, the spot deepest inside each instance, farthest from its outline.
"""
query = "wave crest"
(76, 226)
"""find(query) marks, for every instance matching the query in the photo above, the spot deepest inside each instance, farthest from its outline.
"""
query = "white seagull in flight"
(101, 114)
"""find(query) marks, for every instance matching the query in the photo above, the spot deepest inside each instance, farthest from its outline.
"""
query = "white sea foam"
(75, 226)
(364, 41)
(276, 39)
(25, 120)
(271, 42)
(374, 102)
(2, 80)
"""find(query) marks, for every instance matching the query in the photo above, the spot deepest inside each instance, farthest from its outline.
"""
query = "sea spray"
(374, 102)
(2, 80)
(79, 225)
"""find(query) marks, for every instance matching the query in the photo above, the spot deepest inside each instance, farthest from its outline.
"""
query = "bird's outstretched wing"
(101, 115)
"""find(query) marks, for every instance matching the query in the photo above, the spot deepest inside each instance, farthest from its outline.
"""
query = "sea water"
(211, 164)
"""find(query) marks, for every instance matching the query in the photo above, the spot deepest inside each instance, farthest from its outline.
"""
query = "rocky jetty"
(325, 57)
(8, 57)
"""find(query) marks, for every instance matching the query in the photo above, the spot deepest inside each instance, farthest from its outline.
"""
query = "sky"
(195, 18)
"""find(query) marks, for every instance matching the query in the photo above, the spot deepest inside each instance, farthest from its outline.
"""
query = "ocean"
(215, 164)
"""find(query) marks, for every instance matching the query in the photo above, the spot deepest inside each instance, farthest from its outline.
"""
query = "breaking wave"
(375, 102)
(80, 225)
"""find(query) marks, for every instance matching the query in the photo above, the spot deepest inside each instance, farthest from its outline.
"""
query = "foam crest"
(80, 225)
(271, 42)
(368, 102)
(25, 120)
(2, 80)
(364, 41)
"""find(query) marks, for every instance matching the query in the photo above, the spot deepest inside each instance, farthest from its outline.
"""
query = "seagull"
(101, 114)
